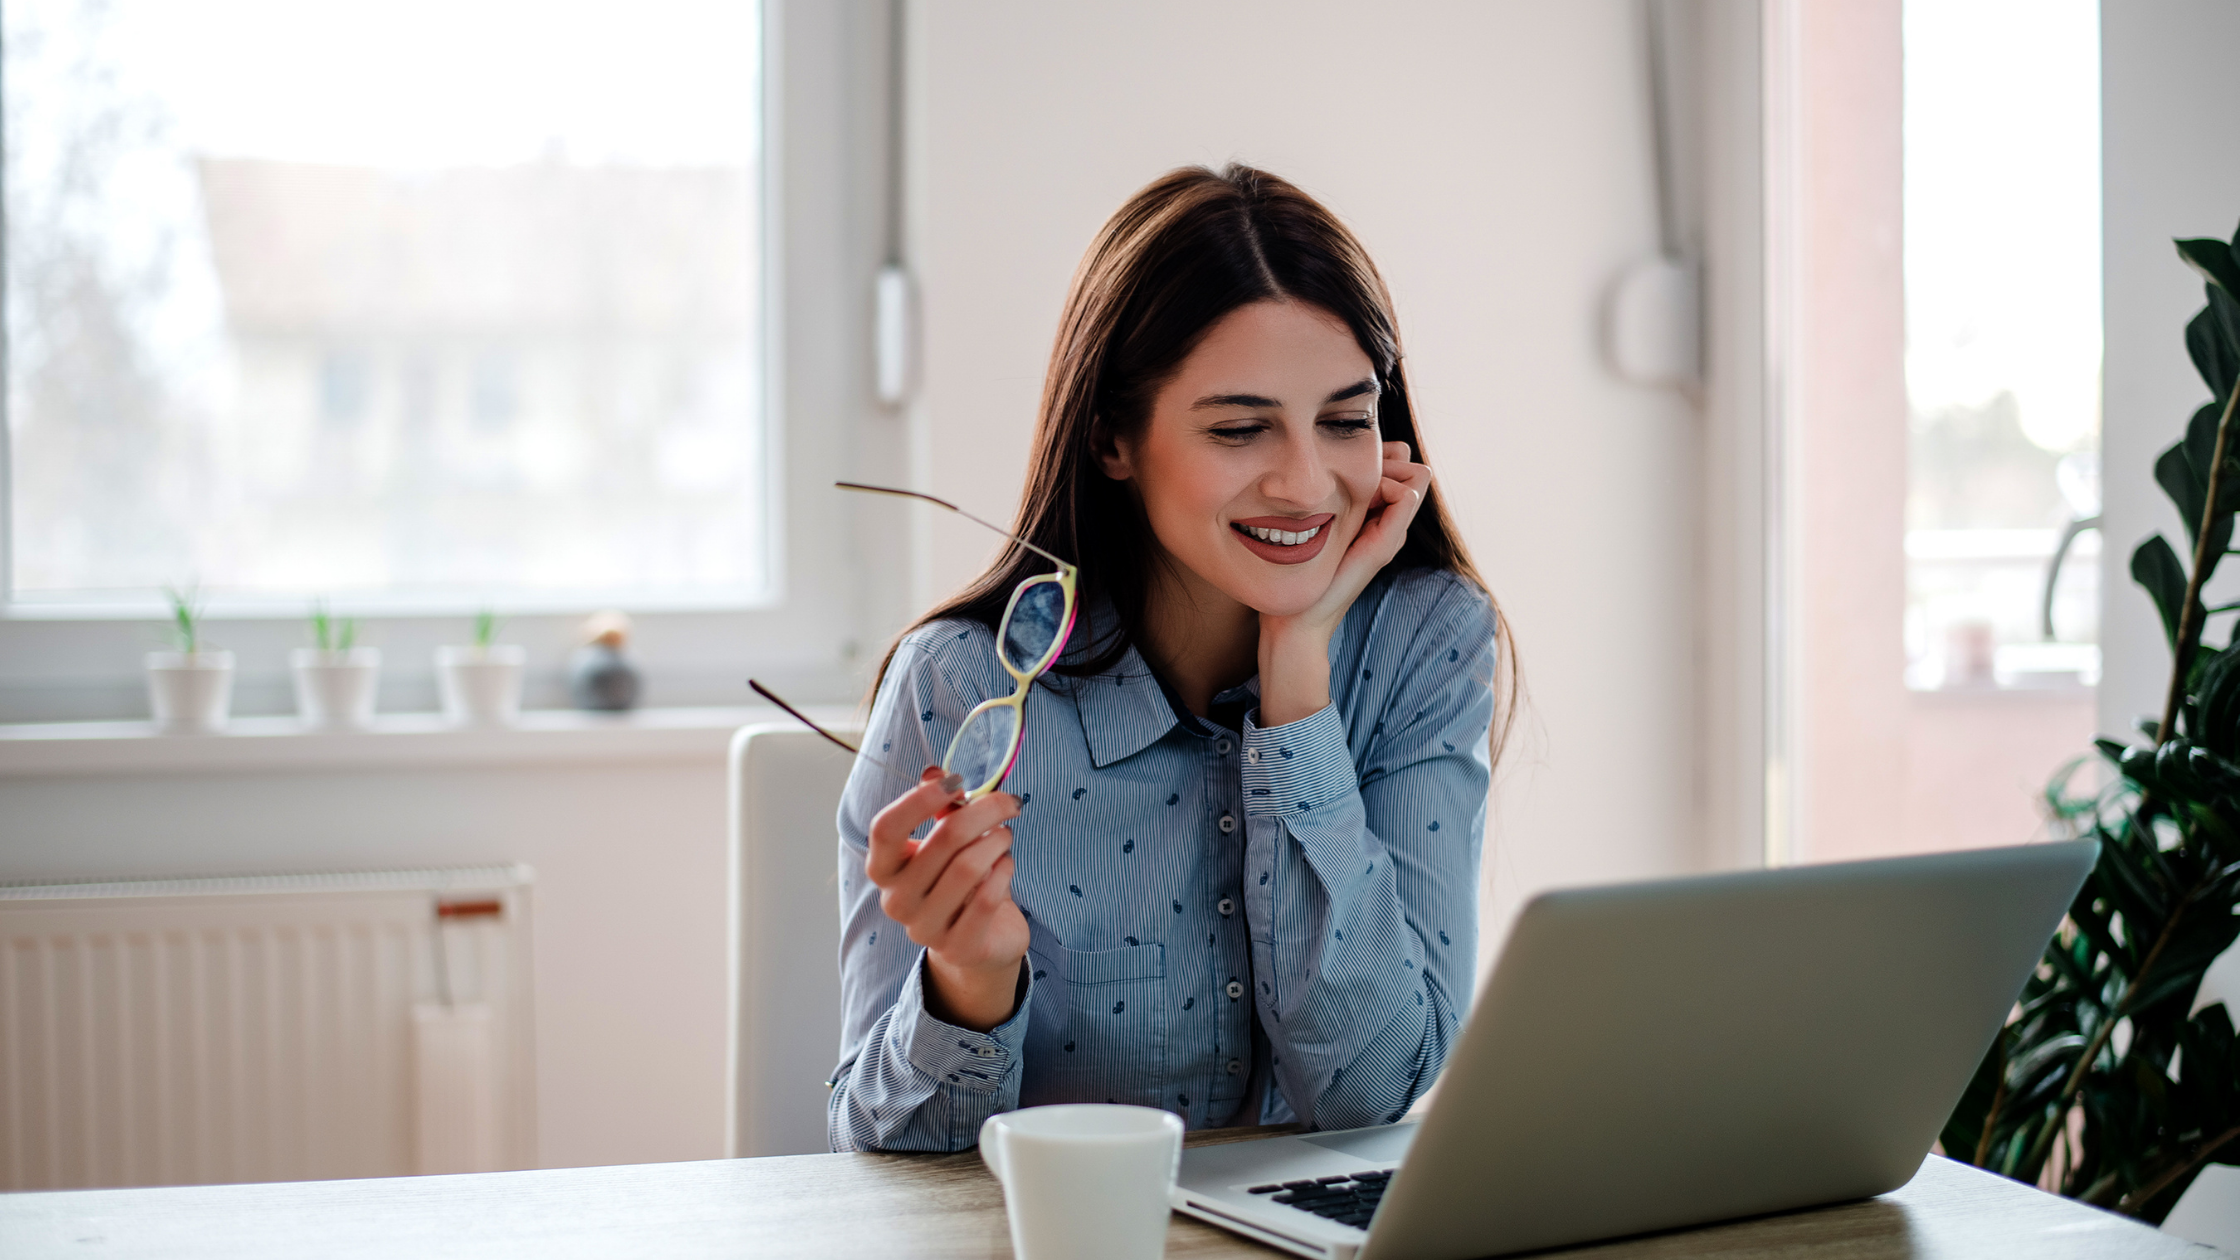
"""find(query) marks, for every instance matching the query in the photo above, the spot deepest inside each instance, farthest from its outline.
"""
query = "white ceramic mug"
(1085, 1181)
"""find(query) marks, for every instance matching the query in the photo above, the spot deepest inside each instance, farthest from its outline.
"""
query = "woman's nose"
(1298, 475)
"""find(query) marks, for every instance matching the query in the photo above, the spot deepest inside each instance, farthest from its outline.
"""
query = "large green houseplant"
(2105, 1084)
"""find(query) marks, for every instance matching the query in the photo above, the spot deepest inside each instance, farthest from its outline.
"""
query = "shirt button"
(1236, 989)
(1252, 755)
(1233, 1066)
(1228, 823)
(1227, 907)
(1221, 746)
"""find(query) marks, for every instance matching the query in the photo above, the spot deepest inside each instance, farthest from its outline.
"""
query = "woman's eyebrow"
(1366, 385)
(1235, 400)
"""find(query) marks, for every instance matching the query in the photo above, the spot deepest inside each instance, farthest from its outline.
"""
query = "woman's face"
(1261, 456)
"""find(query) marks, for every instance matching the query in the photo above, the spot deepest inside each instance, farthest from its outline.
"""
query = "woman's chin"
(1280, 602)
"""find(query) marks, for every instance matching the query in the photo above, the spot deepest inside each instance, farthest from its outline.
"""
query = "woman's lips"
(1280, 553)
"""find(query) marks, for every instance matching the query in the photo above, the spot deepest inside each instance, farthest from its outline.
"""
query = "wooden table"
(897, 1206)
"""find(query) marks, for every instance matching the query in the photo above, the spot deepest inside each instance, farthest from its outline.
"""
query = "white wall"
(1496, 159)
(2170, 168)
(629, 901)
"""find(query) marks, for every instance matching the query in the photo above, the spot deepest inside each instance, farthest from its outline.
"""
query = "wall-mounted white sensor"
(1652, 324)
(893, 335)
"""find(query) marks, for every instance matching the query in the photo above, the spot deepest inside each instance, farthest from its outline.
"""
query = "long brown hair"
(1190, 248)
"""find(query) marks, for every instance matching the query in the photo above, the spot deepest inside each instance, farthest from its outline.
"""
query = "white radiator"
(275, 1028)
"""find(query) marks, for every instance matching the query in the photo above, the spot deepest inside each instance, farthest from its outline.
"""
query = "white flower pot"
(481, 686)
(334, 689)
(190, 693)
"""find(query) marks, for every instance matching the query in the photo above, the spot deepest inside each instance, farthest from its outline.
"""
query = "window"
(417, 304)
(1935, 235)
(2002, 275)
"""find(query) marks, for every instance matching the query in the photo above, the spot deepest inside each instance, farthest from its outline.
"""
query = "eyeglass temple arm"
(810, 722)
(913, 494)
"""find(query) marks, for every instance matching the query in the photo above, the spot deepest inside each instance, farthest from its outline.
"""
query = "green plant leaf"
(2052, 1057)
(2155, 566)
(2217, 706)
(2098, 931)
(2183, 473)
(2131, 888)
(2200, 440)
(186, 618)
(2225, 305)
(2220, 530)
(2212, 351)
(2177, 973)
(2186, 483)
(2216, 775)
(2213, 259)
(2204, 656)
(2137, 763)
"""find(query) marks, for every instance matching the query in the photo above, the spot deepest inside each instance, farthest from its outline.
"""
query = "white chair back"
(785, 939)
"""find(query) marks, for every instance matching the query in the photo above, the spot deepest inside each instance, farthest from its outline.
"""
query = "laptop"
(1652, 1056)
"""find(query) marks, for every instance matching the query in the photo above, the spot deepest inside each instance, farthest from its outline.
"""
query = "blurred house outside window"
(2002, 279)
(417, 305)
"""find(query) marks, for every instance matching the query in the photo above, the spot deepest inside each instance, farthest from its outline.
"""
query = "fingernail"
(952, 783)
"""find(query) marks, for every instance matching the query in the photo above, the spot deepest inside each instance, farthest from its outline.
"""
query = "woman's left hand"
(1295, 650)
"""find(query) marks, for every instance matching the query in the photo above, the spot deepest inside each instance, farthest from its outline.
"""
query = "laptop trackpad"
(1383, 1144)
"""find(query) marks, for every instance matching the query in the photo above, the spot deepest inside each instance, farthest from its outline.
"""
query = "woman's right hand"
(952, 893)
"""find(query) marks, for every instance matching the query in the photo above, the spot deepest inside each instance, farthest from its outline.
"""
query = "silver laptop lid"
(1656, 1055)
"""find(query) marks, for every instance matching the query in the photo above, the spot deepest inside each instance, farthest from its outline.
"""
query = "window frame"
(822, 194)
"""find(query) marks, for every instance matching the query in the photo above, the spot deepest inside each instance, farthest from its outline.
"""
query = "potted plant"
(2107, 1084)
(190, 688)
(335, 679)
(481, 682)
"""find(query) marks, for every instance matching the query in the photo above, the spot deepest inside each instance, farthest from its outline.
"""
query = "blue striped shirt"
(1245, 926)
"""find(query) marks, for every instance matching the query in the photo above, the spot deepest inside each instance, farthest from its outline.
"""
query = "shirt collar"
(1125, 709)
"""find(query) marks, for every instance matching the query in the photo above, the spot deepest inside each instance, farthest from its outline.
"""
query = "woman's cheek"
(1363, 493)
(1350, 524)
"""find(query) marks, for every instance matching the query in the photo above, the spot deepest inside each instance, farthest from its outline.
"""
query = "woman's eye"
(1238, 433)
(1351, 424)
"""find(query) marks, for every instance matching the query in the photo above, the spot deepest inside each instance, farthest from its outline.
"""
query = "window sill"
(1980, 697)
(417, 740)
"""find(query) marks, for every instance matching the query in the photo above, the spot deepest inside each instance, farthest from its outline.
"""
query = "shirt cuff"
(959, 1057)
(1296, 767)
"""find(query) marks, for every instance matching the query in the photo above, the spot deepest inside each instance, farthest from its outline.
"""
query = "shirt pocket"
(1098, 1028)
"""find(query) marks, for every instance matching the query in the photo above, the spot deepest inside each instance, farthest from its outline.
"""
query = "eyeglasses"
(1034, 629)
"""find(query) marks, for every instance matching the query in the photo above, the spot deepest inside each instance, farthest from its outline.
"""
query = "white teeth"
(1283, 537)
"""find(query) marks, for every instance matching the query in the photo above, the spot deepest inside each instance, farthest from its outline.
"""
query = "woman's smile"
(1260, 458)
(1283, 539)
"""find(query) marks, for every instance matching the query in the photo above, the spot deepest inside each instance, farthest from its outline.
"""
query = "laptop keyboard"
(1349, 1200)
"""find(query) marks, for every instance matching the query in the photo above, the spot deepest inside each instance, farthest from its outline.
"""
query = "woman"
(1233, 873)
